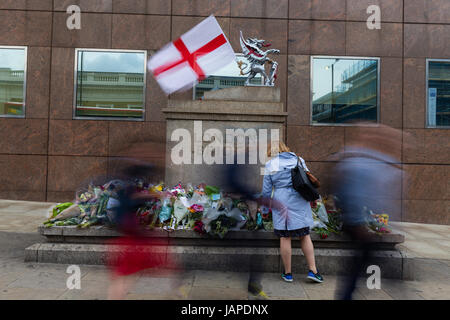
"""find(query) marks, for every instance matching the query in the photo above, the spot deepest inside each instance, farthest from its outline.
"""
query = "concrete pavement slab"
(373, 294)
(210, 293)
(226, 280)
(30, 294)
(278, 289)
(158, 286)
(320, 294)
(96, 291)
(40, 280)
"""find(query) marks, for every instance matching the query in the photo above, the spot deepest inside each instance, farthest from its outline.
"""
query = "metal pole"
(333, 116)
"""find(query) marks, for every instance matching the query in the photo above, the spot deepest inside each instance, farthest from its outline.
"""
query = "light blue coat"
(278, 175)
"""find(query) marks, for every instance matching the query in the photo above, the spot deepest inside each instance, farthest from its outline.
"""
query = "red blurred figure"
(134, 251)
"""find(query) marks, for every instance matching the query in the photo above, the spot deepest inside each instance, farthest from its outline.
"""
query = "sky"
(12, 58)
(128, 62)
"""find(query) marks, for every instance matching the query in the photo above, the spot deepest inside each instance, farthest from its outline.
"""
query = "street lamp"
(333, 115)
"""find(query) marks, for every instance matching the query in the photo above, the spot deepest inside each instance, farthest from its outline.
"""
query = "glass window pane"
(438, 93)
(110, 84)
(12, 81)
(344, 90)
(228, 76)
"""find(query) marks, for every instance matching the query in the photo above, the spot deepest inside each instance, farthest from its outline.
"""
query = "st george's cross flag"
(198, 53)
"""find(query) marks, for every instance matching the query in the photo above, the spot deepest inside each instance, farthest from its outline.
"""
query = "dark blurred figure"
(367, 177)
(233, 179)
(240, 178)
(133, 251)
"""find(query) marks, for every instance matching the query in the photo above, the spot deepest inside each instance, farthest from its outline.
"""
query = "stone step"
(330, 261)
(241, 238)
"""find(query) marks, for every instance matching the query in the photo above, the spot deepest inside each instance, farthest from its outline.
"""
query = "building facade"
(63, 122)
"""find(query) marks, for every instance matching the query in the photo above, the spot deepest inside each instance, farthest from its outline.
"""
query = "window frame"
(311, 66)
(237, 55)
(25, 74)
(75, 83)
(427, 61)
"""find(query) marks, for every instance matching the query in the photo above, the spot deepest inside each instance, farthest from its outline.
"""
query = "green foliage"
(210, 190)
(221, 225)
(60, 208)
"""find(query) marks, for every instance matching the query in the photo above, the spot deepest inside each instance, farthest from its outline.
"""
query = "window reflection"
(438, 93)
(228, 76)
(110, 84)
(12, 81)
(344, 90)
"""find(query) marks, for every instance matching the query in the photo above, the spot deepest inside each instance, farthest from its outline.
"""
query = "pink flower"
(197, 208)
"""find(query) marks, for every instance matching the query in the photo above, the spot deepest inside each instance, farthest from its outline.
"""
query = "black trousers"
(359, 261)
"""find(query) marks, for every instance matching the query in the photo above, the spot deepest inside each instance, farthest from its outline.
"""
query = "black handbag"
(302, 185)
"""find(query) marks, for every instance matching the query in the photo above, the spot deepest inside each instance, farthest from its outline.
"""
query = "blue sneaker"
(315, 276)
(287, 277)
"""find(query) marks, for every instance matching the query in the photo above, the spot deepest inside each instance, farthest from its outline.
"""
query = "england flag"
(198, 53)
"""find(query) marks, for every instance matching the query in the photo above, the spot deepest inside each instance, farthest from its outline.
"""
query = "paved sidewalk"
(18, 280)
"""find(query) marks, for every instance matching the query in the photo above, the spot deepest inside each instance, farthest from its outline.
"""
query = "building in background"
(62, 123)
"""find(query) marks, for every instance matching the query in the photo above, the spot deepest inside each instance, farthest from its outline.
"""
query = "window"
(110, 84)
(438, 93)
(228, 76)
(344, 90)
(13, 66)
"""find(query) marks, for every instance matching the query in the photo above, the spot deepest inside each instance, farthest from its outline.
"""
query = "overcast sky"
(12, 58)
(129, 62)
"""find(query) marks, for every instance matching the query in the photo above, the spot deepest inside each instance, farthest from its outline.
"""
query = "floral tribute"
(204, 209)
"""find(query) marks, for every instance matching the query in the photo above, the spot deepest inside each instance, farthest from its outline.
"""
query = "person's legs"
(119, 286)
(254, 280)
(308, 251)
(286, 253)
(358, 236)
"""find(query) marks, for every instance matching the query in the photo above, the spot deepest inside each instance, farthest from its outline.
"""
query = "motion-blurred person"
(295, 220)
(133, 251)
(235, 178)
(365, 178)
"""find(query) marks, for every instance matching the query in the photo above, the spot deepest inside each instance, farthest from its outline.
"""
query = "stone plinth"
(241, 238)
(243, 111)
(236, 252)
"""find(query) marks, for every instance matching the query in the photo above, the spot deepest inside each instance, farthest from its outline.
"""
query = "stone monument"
(204, 136)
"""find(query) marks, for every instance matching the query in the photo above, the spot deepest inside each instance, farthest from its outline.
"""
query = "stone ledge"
(241, 238)
(251, 93)
(224, 107)
(279, 117)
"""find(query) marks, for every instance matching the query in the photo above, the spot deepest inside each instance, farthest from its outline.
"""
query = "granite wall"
(47, 155)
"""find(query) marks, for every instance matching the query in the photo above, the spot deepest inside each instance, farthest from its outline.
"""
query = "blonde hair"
(282, 147)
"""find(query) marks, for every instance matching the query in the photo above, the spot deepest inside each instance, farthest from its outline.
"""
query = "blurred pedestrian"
(366, 177)
(235, 177)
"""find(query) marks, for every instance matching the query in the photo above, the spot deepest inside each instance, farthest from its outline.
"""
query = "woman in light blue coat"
(294, 219)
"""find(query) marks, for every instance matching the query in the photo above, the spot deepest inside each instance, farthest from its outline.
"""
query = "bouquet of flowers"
(327, 218)
(378, 223)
